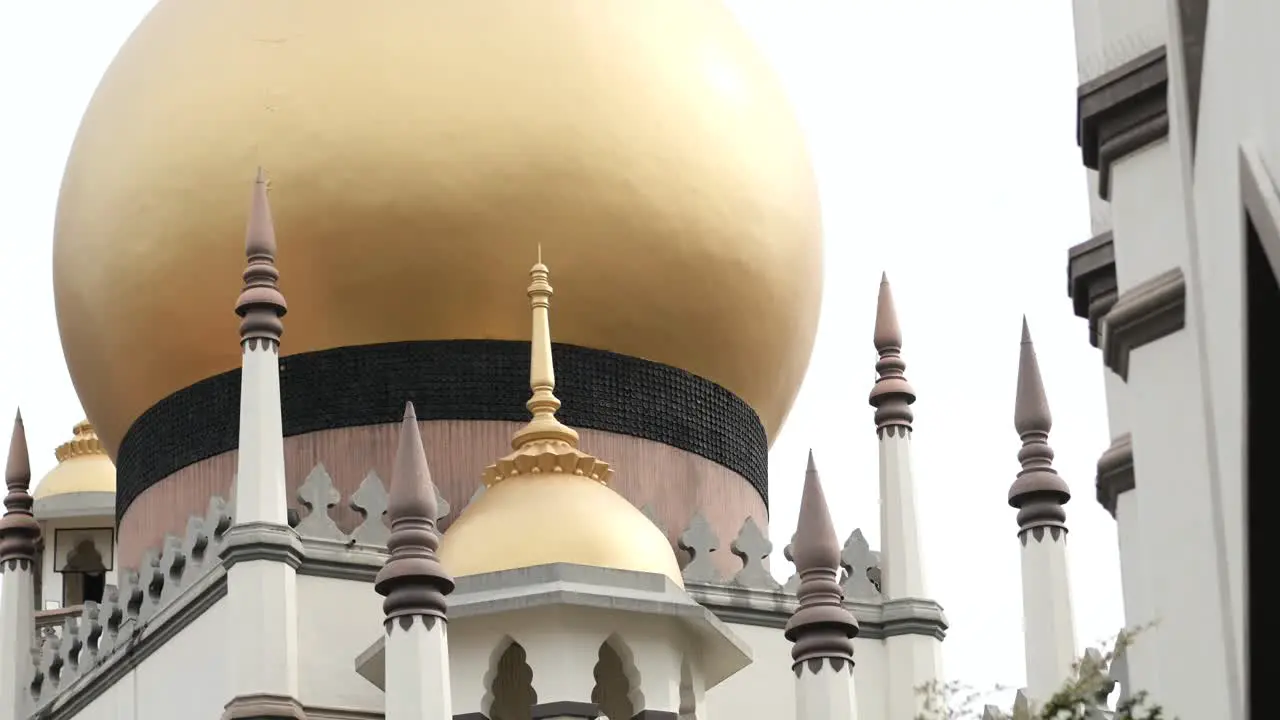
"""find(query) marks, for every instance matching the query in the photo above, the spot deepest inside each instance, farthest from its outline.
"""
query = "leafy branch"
(1082, 697)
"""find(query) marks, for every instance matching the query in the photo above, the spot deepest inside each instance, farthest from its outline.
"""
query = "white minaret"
(914, 662)
(1039, 494)
(415, 585)
(19, 533)
(821, 629)
(262, 552)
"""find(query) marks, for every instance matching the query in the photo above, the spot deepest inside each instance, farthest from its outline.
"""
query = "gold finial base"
(539, 456)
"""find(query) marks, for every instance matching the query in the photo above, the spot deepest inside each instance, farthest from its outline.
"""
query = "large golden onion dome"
(83, 467)
(426, 147)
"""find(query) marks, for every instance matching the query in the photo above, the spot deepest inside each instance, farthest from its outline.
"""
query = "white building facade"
(1177, 126)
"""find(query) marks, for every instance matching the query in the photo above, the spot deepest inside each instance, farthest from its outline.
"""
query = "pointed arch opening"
(510, 694)
(616, 689)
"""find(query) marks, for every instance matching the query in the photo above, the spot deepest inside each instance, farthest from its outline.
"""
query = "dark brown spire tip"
(1039, 492)
(413, 580)
(888, 335)
(1031, 407)
(17, 472)
(891, 395)
(260, 238)
(261, 304)
(821, 627)
(19, 531)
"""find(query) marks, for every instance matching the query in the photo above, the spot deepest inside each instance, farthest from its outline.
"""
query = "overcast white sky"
(943, 139)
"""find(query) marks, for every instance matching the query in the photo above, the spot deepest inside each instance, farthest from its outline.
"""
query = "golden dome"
(414, 144)
(548, 501)
(555, 518)
(83, 467)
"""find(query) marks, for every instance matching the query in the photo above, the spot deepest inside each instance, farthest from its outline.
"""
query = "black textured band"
(450, 380)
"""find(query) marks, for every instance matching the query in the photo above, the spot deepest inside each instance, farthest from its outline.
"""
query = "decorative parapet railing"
(100, 643)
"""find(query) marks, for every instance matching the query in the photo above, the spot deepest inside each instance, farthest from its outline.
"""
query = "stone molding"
(565, 709)
(1091, 280)
(1142, 315)
(1115, 472)
(264, 707)
(180, 581)
(262, 541)
(1121, 112)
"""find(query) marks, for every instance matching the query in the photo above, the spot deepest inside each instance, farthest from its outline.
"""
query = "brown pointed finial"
(19, 531)
(413, 581)
(821, 628)
(261, 304)
(543, 426)
(1039, 492)
(891, 395)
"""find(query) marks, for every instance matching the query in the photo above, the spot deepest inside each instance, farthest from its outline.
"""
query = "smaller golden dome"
(547, 501)
(83, 467)
(531, 520)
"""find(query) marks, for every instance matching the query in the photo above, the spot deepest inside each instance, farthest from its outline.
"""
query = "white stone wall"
(185, 678)
(1239, 113)
(337, 620)
(766, 688)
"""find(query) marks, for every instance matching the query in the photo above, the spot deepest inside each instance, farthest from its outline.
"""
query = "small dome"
(83, 467)
(539, 519)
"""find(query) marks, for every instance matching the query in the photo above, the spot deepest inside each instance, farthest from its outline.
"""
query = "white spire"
(1039, 494)
(19, 533)
(912, 661)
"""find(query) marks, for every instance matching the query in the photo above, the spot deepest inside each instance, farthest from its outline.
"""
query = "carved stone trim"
(1122, 111)
(1091, 280)
(563, 709)
(815, 665)
(912, 616)
(1055, 532)
(1143, 314)
(262, 541)
(876, 620)
(315, 712)
(1115, 472)
(141, 642)
(264, 707)
(15, 563)
(406, 621)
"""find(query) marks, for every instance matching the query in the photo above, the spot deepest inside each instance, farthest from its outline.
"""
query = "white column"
(17, 629)
(1039, 493)
(822, 697)
(1050, 636)
(563, 656)
(19, 533)
(262, 552)
(417, 669)
(914, 662)
(901, 569)
(260, 494)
